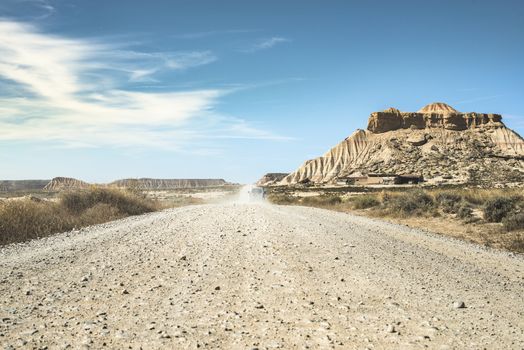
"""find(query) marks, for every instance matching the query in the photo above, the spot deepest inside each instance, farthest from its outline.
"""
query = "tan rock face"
(271, 179)
(436, 115)
(439, 143)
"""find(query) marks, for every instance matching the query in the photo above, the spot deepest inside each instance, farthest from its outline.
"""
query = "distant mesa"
(437, 144)
(22, 185)
(156, 184)
(68, 183)
(65, 183)
(434, 115)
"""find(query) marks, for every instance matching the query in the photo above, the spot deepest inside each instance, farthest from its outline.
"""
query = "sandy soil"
(256, 276)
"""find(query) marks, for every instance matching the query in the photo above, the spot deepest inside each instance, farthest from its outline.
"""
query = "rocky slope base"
(437, 142)
(271, 179)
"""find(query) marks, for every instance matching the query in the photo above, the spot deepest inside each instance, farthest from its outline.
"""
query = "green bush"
(498, 208)
(411, 203)
(513, 222)
(322, 200)
(282, 199)
(465, 212)
(449, 202)
(364, 201)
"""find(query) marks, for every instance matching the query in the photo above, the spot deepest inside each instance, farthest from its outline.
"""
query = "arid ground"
(258, 276)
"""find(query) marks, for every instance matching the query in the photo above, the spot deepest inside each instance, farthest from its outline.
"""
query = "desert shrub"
(498, 208)
(364, 201)
(464, 212)
(25, 219)
(513, 222)
(411, 203)
(99, 213)
(126, 202)
(322, 200)
(449, 202)
(282, 199)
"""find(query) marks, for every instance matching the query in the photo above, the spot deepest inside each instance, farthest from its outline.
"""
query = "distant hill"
(22, 185)
(437, 143)
(65, 183)
(150, 184)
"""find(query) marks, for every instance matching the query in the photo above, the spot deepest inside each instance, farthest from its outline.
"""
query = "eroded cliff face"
(436, 142)
(431, 117)
(65, 183)
(271, 179)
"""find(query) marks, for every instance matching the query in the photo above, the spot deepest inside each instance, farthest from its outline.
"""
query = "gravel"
(246, 276)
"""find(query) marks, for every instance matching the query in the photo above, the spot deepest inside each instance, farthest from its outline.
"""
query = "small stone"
(217, 288)
(390, 329)
(459, 305)
(125, 291)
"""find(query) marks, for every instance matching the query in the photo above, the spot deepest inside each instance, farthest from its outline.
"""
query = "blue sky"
(100, 90)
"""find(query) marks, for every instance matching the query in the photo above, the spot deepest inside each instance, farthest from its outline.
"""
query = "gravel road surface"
(258, 276)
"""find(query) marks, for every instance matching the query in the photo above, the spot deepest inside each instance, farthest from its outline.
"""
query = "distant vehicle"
(257, 193)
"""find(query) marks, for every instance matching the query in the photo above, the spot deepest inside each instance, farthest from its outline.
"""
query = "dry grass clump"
(513, 222)
(364, 201)
(125, 202)
(25, 219)
(282, 199)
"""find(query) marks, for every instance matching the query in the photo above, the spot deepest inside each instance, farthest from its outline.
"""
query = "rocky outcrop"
(271, 179)
(65, 183)
(435, 115)
(437, 142)
(165, 184)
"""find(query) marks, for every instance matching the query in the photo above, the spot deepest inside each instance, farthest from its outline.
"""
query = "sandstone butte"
(436, 142)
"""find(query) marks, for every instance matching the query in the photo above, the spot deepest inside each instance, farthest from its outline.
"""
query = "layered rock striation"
(435, 115)
(437, 142)
(65, 183)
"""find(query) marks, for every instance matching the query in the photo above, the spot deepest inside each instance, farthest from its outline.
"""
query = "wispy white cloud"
(205, 34)
(72, 93)
(478, 99)
(267, 43)
(29, 9)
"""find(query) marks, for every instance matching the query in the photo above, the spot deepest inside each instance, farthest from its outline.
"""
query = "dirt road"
(255, 276)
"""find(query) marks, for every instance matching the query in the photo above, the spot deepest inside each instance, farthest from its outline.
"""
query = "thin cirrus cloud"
(264, 44)
(71, 93)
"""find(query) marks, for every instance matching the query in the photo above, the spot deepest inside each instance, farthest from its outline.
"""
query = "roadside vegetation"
(494, 217)
(29, 217)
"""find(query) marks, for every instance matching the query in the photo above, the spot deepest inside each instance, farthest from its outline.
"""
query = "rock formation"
(65, 183)
(271, 179)
(165, 184)
(435, 115)
(437, 142)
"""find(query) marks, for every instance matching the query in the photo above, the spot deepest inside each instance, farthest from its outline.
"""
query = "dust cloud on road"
(258, 276)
